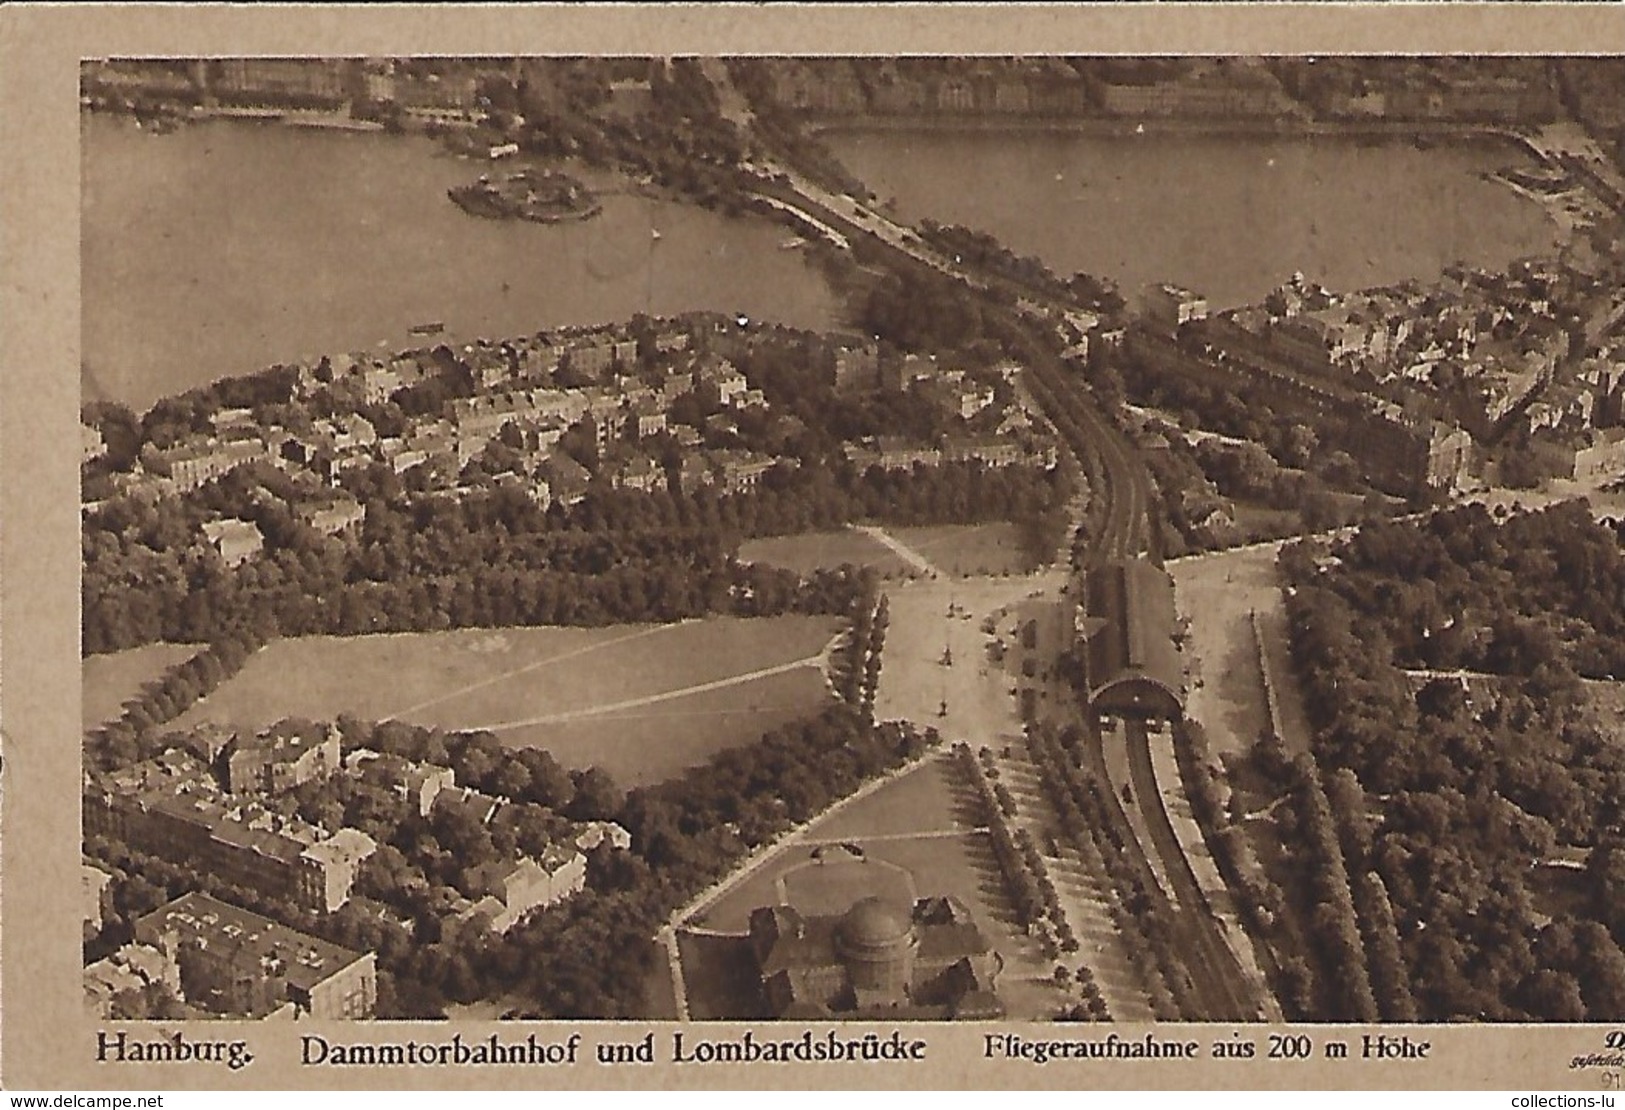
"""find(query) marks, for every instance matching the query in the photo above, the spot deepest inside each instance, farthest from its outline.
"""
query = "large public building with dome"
(881, 958)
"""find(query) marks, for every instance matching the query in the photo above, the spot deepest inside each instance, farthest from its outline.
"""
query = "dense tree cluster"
(680, 140)
(779, 130)
(1259, 899)
(922, 310)
(494, 558)
(1318, 456)
(1465, 590)
(1451, 795)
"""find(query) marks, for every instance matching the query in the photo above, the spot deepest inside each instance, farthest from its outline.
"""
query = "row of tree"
(1091, 820)
(1020, 884)
(1306, 821)
(980, 251)
(1259, 899)
(133, 735)
(858, 662)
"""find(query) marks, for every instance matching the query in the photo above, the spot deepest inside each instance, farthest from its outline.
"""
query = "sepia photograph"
(742, 557)
(1061, 538)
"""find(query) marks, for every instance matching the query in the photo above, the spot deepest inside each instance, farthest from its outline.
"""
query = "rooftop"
(249, 941)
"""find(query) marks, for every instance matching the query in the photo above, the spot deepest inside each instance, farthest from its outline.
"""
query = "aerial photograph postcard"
(792, 551)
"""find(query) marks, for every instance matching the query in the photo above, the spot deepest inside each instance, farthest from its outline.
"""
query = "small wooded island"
(544, 196)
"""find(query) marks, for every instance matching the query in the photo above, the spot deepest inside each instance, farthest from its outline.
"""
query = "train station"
(1125, 637)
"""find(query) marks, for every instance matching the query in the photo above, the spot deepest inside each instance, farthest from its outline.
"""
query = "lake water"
(223, 248)
(1230, 217)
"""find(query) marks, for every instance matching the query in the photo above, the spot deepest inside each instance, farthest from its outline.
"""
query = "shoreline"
(1224, 127)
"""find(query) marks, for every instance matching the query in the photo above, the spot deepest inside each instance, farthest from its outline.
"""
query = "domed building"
(881, 958)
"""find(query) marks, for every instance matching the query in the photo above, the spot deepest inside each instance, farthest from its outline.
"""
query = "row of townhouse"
(495, 364)
(195, 463)
(172, 807)
(626, 409)
(894, 453)
(1468, 345)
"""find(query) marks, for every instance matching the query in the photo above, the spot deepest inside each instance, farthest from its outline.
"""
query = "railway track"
(1215, 972)
(1121, 483)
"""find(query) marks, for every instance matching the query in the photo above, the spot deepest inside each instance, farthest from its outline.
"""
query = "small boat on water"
(792, 243)
(654, 234)
(434, 327)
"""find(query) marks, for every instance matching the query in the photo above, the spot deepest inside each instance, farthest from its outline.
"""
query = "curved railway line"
(1121, 528)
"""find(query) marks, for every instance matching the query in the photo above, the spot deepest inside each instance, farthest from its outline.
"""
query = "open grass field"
(659, 995)
(829, 885)
(967, 550)
(925, 800)
(919, 822)
(656, 742)
(812, 551)
(902, 807)
(641, 701)
(111, 680)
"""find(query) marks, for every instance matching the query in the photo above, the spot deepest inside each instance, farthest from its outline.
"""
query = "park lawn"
(967, 550)
(651, 744)
(960, 863)
(831, 884)
(926, 800)
(532, 682)
(108, 681)
(812, 551)
(903, 805)
(659, 997)
(731, 913)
